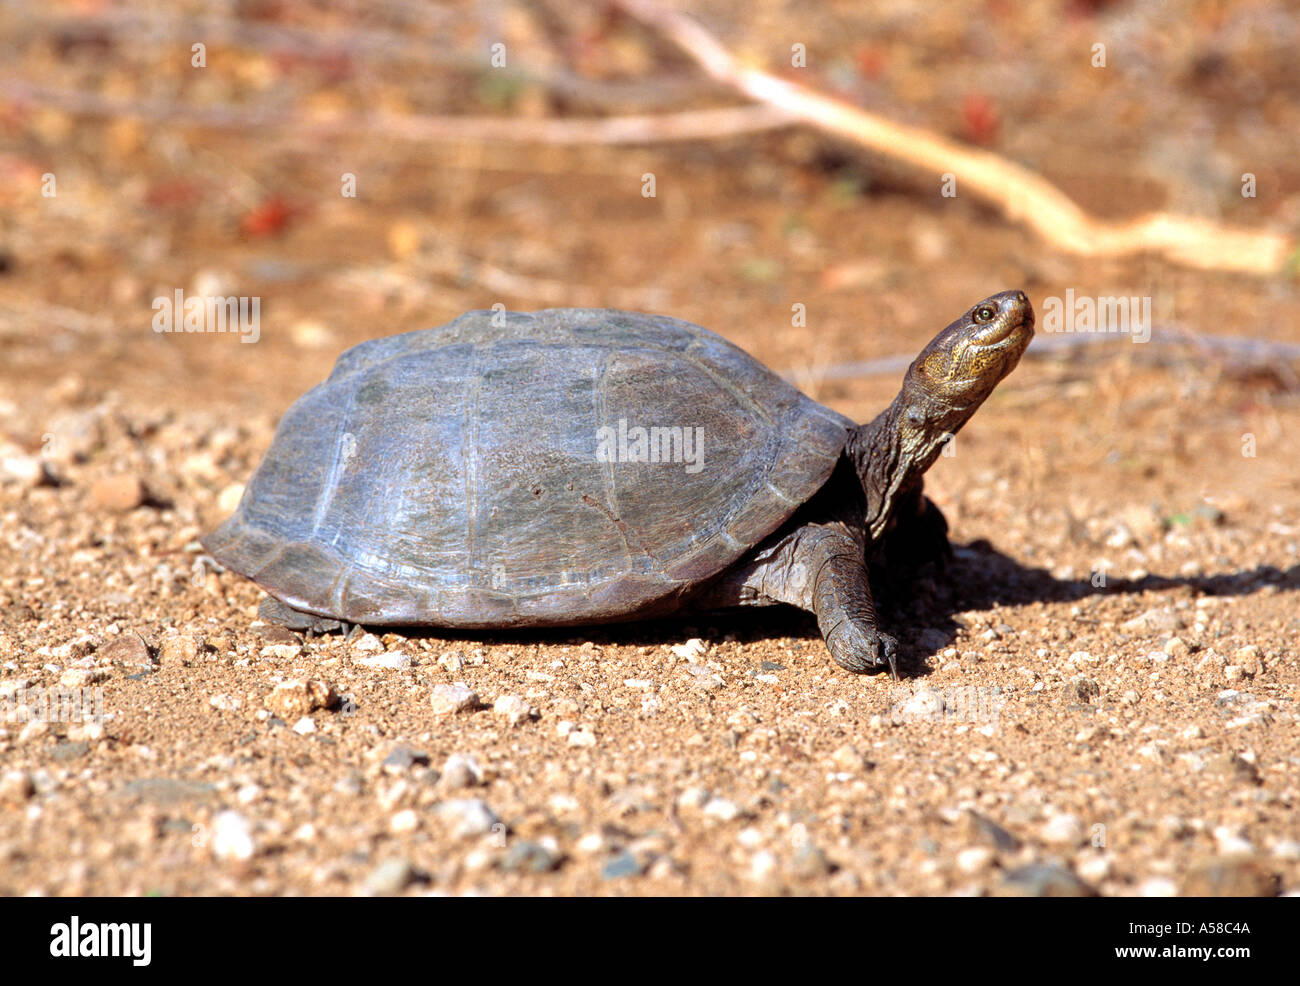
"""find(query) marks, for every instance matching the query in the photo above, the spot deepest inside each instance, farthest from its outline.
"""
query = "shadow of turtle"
(921, 608)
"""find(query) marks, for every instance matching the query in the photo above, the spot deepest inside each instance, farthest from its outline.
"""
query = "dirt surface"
(1100, 693)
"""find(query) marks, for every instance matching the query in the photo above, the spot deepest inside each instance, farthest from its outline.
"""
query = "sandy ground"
(1098, 696)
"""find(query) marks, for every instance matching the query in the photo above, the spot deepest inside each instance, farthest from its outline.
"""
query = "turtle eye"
(984, 314)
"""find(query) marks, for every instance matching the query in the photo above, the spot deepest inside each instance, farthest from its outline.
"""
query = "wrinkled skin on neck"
(943, 387)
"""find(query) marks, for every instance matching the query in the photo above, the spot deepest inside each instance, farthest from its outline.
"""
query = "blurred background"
(368, 168)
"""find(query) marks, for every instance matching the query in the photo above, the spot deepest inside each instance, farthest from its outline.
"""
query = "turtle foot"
(273, 611)
(859, 648)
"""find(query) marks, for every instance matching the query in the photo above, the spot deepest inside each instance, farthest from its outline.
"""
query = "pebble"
(404, 821)
(849, 760)
(117, 493)
(16, 786)
(402, 758)
(299, 697)
(127, 649)
(513, 709)
(83, 677)
(228, 499)
(389, 877)
(722, 809)
(693, 648)
(693, 798)
(991, 833)
(974, 860)
(810, 862)
(304, 726)
(529, 857)
(1231, 878)
(621, 865)
(1157, 620)
(1094, 867)
(232, 837)
(1230, 842)
(1177, 647)
(1043, 880)
(282, 652)
(178, 648)
(367, 643)
(582, 737)
(924, 705)
(449, 699)
(461, 770)
(224, 702)
(467, 816)
(451, 662)
(387, 661)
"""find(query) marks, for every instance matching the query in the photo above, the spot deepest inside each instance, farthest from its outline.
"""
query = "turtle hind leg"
(273, 611)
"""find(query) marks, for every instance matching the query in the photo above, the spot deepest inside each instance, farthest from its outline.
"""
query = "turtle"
(572, 467)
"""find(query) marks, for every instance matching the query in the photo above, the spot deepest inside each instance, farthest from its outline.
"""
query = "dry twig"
(1023, 195)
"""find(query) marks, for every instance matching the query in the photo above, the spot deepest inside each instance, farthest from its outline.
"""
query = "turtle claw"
(859, 648)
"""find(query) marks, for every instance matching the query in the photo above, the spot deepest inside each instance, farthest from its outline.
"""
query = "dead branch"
(633, 129)
(1023, 195)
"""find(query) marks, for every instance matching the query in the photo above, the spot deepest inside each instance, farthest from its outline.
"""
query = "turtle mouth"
(1004, 334)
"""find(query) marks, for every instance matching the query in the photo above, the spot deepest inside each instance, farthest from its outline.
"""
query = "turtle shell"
(490, 472)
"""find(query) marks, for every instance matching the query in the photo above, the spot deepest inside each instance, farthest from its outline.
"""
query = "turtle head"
(943, 387)
(960, 367)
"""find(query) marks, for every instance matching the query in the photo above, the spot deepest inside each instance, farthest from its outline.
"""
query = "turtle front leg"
(841, 600)
(820, 568)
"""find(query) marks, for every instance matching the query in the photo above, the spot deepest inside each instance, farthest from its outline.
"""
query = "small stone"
(128, 649)
(1094, 867)
(925, 705)
(451, 662)
(621, 865)
(402, 758)
(450, 699)
(35, 729)
(65, 752)
(367, 643)
(304, 726)
(117, 493)
(294, 699)
(467, 817)
(513, 709)
(1157, 620)
(83, 677)
(1043, 880)
(849, 760)
(1230, 842)
(282, 652)
(388, 878)
(178, 648)
(224, 702)
(693, 648)
(404, 821)
(693, 798)
(810, 863)
(16, 786)
(529, 857)
(228, 499)
(991, 833)
(975, 860)
(722, 809)
(1176, 647)
(1063, 830)
(582, 737)
(232, 837)
(460, 771)
(1243, 877)
(387, 661)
